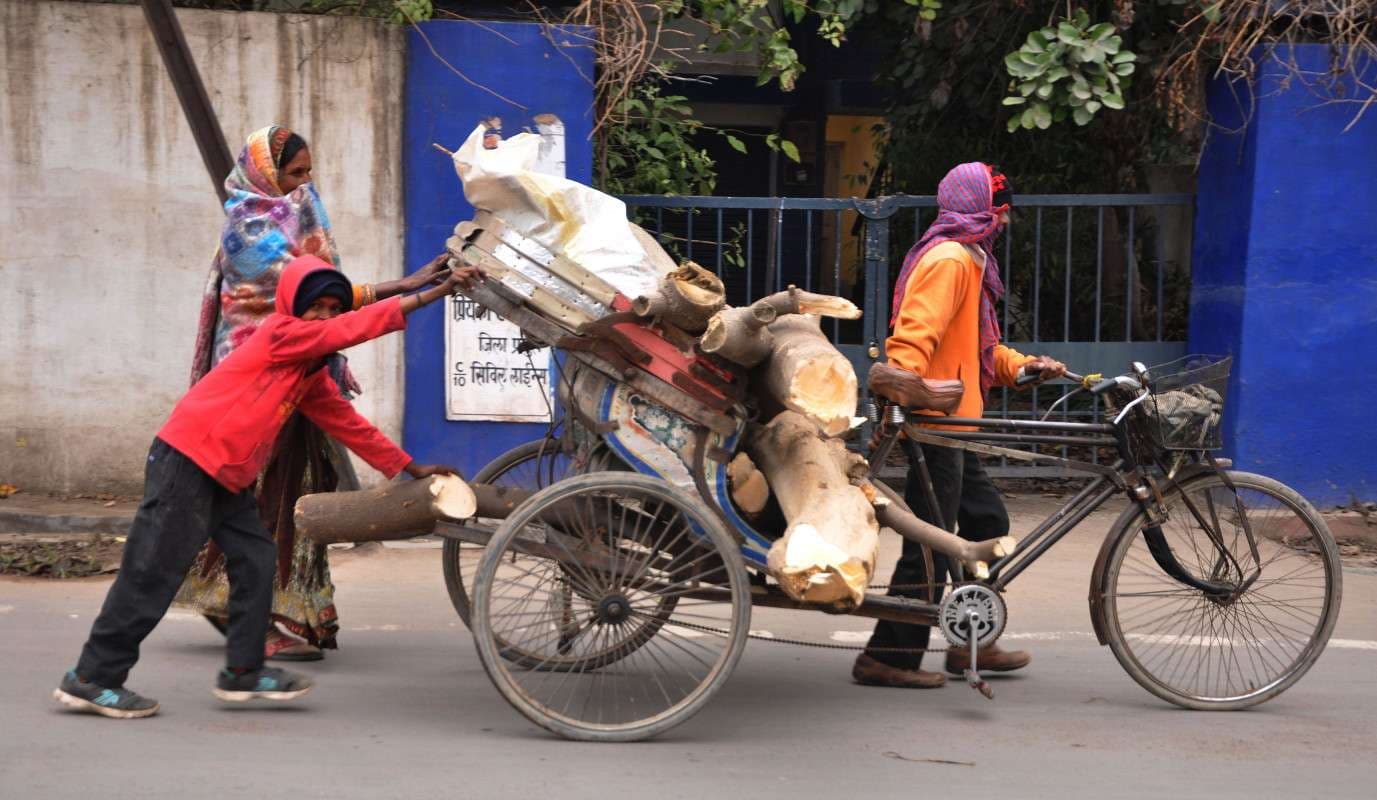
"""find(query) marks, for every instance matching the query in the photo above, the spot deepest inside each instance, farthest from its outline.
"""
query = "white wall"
(108, 220)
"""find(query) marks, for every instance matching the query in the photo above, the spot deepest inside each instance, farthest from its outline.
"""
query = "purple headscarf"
(966, 214)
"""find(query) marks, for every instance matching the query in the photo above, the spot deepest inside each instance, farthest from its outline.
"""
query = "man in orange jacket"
(946, 326)
(199, 477)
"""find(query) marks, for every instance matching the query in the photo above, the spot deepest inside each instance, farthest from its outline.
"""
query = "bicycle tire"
(1166, 648)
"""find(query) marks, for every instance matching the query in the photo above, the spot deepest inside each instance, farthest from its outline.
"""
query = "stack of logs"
(808, 392)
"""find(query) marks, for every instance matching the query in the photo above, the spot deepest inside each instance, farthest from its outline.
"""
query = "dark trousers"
(182, 508)
(971, 507)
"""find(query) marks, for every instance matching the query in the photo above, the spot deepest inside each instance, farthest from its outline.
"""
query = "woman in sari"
(274, 215)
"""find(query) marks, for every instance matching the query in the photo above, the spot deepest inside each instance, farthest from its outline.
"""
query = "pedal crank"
(971, 616)
(973, 678)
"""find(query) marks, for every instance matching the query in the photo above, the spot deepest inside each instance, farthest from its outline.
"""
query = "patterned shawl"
(264, 230)
(966, 214)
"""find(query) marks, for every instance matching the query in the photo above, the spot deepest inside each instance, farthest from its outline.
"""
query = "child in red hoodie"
(199, 477)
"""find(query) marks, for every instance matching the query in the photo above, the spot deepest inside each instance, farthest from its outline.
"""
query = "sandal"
(281, 647)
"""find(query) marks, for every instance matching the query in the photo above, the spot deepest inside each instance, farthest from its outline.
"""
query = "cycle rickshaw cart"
(609, 586)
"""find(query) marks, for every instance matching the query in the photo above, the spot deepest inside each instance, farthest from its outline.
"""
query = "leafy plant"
(1073, 69)
(649, 149)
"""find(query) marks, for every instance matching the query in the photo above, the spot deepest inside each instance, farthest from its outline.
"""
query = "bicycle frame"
(989, 437)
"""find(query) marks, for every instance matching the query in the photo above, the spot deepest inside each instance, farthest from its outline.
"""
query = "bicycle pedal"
(979, 684)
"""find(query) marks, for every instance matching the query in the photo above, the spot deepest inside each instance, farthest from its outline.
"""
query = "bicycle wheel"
(531, 466)
(626, 598)
(1223, 650)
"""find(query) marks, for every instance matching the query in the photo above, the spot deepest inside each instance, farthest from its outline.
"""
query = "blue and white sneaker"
(268, 683)
(119, 702)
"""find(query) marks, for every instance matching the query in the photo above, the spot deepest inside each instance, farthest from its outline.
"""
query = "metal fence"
(1096, 281)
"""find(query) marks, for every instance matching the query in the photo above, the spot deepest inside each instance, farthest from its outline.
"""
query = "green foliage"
(1073, 69)
(649, 146)
(405, 11)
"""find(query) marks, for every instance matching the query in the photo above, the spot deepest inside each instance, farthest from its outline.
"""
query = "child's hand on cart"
(433, 273)
(419, 471)
(464, 278)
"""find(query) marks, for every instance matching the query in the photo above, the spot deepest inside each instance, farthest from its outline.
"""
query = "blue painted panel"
(1286, 278)
(518, 62)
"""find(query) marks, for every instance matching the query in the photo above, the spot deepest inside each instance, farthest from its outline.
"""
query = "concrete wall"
(1285, 279)
(108, 220)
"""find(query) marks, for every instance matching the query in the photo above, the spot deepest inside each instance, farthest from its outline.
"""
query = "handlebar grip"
(1024, 380)
(1107, 383)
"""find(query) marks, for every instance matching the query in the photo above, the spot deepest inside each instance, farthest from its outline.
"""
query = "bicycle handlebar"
(1094, 382)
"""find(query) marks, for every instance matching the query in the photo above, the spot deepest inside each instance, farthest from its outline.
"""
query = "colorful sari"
(265, 230)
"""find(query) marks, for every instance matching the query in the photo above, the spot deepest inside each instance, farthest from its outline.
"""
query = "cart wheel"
(531, 466)
(610, 607)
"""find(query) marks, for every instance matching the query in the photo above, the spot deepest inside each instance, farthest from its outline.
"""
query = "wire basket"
(1186, 402)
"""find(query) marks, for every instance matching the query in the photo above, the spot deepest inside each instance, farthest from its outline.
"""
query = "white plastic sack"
(565, 216)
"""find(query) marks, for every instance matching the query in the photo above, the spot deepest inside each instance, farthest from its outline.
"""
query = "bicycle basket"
(1185, 402)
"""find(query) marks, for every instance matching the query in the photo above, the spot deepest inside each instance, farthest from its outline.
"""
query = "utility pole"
(181, 68)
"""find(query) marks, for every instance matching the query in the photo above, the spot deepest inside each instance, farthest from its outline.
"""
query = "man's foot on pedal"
(268, 683)
(870, 672)
(117, 703)
(990, 659)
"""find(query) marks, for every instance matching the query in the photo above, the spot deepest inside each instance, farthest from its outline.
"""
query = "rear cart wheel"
(531, 466)
(1240, 643)
(610, 607)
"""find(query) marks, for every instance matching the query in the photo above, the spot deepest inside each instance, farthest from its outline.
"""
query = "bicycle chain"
(822, 645)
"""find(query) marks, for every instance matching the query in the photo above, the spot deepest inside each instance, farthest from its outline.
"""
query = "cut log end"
(452, 497)
(739, 334)
(749, 490)
(685, 298)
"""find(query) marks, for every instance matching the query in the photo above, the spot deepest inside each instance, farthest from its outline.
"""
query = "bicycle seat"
(912, 392)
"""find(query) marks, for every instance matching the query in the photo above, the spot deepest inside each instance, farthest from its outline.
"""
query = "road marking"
(1353, 644)
(858, 637)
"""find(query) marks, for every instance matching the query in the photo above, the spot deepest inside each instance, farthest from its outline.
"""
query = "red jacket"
(230, 419)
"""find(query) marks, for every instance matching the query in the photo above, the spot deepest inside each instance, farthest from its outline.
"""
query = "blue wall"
(514, 60)
(1285, 280)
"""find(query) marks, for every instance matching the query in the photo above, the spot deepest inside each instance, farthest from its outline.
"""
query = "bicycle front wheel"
(1222, 650)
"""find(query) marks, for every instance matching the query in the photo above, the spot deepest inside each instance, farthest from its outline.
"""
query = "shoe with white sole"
(268, 683)
(116, 703)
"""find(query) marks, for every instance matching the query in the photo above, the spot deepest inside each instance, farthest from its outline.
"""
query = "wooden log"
(739, 334)
(749, 489)
(895, 514)
(686, 298)
(806, 373)
(394, 511)
(796, 301)
(827, 553)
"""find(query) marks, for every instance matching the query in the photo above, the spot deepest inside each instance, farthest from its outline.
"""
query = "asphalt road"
(404, 710)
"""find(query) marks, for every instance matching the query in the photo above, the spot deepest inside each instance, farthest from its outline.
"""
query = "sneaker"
(268, 683)
(118, 703)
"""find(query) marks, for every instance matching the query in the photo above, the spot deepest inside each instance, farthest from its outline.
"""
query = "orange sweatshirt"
(937, 334)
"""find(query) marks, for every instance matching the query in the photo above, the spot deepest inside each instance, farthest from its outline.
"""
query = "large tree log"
(392, 511)
(827, 553)
(400, 510)
(686, 298)
(806, 373)
(740, 336)
(894, 513)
